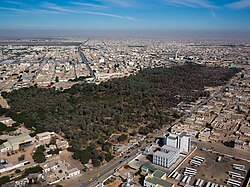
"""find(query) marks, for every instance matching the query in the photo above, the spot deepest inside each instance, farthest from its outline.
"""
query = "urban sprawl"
(208, 145)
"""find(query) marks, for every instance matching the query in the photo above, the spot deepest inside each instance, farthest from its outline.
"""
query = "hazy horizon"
(8, 34)
(164, 18)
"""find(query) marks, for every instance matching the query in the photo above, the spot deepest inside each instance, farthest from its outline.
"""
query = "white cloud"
(120, 3)
(191, 3)
(90, 5)
(14, 2)
(68, 10)
(30, 11)
(43, 11)
(215, 16)
(50, 8)
(15, 10)
(55, 7)
(109, 15)
(239, 4)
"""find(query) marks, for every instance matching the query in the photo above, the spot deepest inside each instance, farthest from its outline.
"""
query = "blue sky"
(212, 15)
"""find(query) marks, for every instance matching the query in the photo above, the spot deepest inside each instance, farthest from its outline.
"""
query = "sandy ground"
(211, 170)
(3, 102)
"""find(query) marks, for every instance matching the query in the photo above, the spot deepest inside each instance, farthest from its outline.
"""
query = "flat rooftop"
(19, 139)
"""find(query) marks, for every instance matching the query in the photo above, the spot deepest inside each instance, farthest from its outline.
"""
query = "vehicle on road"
(235, 158)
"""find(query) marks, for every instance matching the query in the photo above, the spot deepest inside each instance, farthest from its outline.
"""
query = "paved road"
(41, 63)
(85, 61)
(84, 58)
(111, 169)
(83, 43)
(9, 58)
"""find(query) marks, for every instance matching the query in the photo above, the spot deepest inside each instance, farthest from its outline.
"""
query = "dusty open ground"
(211, 170)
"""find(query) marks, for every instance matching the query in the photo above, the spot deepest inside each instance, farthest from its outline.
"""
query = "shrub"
(36, 169)
(39, 156)
(4, 180)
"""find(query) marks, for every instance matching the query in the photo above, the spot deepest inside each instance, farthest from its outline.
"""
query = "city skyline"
(68, 16)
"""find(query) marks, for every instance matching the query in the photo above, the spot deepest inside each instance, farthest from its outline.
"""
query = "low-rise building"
(205, 134)
(243, 145)
(7, 121)
(12, 166)
(18, 183)
(5, 147)
(16, 142)
(57, 169)
(19, 141)
(43, 136)
(157, 179)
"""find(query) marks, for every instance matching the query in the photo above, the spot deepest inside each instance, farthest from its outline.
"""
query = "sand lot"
(211, 170)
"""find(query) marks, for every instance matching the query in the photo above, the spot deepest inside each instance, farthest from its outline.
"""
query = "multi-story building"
(181, 141)
(167, 156)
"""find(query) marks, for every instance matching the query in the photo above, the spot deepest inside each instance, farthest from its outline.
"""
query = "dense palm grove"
(89, 112)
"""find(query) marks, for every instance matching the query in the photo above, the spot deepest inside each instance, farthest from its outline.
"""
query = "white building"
(178, 140)
(167, 156)
(5, 147)
(12, 166)
(18, 183)
(57, 169)
(14, 143)
(43, 136)
(7, 121)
